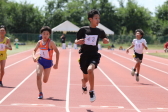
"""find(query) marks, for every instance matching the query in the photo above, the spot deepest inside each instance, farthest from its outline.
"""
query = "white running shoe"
(137, 78)
(92, 96)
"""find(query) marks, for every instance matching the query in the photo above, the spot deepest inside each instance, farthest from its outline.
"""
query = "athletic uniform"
(166, 46)
(3, 54)
(46, 54)
(89, 50)
(138, 48)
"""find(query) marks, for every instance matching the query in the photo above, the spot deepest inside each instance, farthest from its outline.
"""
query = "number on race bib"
(91, 39)
(2, 47)
(44, 54)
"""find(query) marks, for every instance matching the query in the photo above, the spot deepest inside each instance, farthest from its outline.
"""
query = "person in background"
(4, 46)
(166, 47)
(138, 44)
(63, 38)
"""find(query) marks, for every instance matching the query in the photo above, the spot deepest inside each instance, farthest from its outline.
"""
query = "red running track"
(116, 90)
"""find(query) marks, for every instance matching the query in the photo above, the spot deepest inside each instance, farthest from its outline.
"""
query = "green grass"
(162, 55)
(156, 46)
(21, 48)
(150, 47)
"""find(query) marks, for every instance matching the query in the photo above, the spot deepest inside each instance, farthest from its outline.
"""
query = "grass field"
(157, 47)
(162, 55)
(21, 48)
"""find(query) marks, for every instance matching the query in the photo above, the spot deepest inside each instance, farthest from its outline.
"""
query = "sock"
(137, 74)
(40, 93)
(91, 91)
(0, 82)
(134, 69)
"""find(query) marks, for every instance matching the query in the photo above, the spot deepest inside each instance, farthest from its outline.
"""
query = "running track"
(116, 90)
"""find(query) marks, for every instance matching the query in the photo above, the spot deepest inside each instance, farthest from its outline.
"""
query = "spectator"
(63, 38)
(166, 47)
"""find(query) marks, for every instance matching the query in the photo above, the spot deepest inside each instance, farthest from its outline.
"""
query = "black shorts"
(87, 58)
(140, 56)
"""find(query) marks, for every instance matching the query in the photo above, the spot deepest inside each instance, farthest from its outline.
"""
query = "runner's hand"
(105, 41)
(55, 66)
(127, 51)
(34, 59)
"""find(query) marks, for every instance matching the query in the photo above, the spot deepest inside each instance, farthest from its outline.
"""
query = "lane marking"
(147, 59)
(130, 70)
(19, 53)
(17, 87)
(102, 107)
(154, 61)
(158, 108)
(18, 61)
(119, 90)
(33, 105)
(68, 83)
(147, 86)
(142, 64)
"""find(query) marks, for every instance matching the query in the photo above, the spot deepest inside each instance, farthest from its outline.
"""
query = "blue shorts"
(45, 63)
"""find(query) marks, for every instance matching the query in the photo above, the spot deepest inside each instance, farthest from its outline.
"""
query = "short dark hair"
(45, 28)
(2, 26)
(140, 31)
(92, 13)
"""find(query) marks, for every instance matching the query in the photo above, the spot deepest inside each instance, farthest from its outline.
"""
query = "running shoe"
(1, 85)
(137, 77)
(92, 96)
(84, 90)
(40, 96)
(133, 72)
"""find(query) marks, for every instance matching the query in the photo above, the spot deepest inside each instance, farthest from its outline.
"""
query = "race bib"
(44, 54)
(2, 47)
(138, 46)
(91, 39)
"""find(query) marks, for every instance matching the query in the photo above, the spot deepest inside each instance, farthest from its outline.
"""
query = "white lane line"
(149, 59)
(139, 74)
(119, 90)
(142, 64)
(17, 87)
(20, 53)
(68, 83)
(154, 61)
(32, 105)
(18, 62)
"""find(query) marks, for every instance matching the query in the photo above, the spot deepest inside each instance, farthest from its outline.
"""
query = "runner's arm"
(35, 50)
(127, 51)
(54, 47)
(8, 45)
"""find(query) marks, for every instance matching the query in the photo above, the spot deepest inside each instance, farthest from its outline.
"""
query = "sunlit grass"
(162, 55)
(21, 48)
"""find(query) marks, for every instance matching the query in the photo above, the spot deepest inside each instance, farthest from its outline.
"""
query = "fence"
(117, 39)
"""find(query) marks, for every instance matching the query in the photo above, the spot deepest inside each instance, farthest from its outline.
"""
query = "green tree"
(135, 17)
(162, 17)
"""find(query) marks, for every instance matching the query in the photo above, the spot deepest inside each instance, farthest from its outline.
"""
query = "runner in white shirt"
(139, 44)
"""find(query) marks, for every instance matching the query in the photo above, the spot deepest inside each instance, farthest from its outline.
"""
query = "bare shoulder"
(52, 42)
